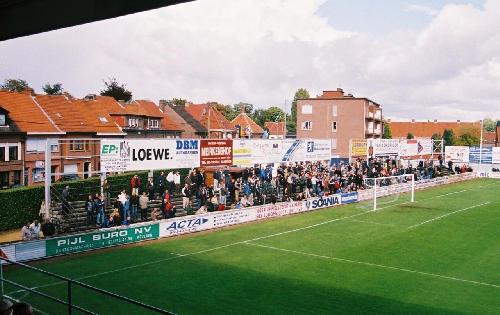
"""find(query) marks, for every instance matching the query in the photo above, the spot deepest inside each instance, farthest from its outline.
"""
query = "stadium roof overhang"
(27, 17)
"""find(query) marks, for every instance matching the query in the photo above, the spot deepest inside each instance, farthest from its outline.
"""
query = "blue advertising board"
(486, 155)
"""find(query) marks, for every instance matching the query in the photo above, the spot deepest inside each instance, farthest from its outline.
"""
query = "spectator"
(151, 189)
(170, 182)
(177, 182)
(48, 228)
(143, 204)
(65, 201)
(99, 210)
(135, 184)
(134, 205)
(161, 183)
(25, 232)
(126, 209)
(90, 209)
(202, 209)
(186, 195)
(35, 229)
(22, 308)
(155, 213)
(6, 307)
(114, 218)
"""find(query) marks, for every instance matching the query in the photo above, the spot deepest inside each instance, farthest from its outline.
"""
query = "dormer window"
(3, 121)
(154, 124)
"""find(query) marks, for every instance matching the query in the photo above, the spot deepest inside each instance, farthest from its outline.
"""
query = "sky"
(419, 59)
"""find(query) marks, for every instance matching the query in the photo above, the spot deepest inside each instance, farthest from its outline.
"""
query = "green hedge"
(19, 205)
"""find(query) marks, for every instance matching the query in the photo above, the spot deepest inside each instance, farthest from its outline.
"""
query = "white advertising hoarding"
(413, 147)
(119, 155)
(383, 147)
(496, 155)
(456, 154)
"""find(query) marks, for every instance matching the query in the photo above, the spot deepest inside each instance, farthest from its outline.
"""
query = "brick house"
(247, 126)
(11, 151)
(339, 117)
(277, 130)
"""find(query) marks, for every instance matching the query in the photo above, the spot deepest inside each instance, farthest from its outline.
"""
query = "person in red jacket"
(135, 183)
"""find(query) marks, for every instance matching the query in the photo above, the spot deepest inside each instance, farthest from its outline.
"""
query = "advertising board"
(321, 202)
(359, 148)
(216, 152)
(351, 197)
(105, 238)
(413, 147)
(486, 155)
(495, 155)
(119, 155)
(456, 154)
(277, 210)
(383, 147)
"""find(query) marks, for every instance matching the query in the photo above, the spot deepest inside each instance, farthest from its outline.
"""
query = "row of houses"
(75, 126)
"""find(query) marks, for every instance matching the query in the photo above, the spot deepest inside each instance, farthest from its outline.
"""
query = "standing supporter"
(134, 204)
(90, 208)
(135, 184)
(105, 190)
(99, 210)
(65, 201)
(151, 189)
(177, 182)
(143, 204)
(126, 209)
(170, 182)
(186, 195)
(161, 183)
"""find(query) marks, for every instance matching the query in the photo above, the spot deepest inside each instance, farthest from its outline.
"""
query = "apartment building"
(340, 117)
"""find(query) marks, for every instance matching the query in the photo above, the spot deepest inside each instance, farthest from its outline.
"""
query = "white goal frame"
(378, 179)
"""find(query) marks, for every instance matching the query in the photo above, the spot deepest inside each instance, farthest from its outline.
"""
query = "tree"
(468, 136)
(489, 124)
(15, 85)
(436, 136)
(117, 91)
(448, 137)
(292, 123)
(387, 130)
(410, 135)
(258, 117)
(53, 89)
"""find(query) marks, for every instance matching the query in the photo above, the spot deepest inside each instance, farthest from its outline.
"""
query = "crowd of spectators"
(245, 187)
(19, 308)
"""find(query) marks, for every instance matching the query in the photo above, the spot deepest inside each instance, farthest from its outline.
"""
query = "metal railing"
(70, 284)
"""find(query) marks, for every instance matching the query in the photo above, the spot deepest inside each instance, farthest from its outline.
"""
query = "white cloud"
(427, 10)
(262, 51)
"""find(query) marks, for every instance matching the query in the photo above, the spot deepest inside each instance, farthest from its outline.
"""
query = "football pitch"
(439, 255)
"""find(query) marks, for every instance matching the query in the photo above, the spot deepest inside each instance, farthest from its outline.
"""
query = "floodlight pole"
(48, 177)
(412, 188)
(481, 147)
(1, 278)
(375, 196)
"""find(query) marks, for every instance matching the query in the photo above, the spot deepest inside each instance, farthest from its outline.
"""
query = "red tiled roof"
(152, 110)
(243, 120)
(201, 112)
(26, 113)
(427, 129)
(275, 128)
(490, 137)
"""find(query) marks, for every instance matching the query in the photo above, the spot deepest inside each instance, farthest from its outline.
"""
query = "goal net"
(392, 189)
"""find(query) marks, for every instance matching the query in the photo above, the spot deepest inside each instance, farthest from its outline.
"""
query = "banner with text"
(496, 155)
(118, 155)
(216, 152)
(456, 154)
(105, 238)
(383, 147)
(486, 155)
(359, 148)
(413, 147)
(321, 202)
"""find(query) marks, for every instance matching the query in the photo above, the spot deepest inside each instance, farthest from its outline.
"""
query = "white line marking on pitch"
(232, 244)
(448, 214)
(372, 222)
(376, 265)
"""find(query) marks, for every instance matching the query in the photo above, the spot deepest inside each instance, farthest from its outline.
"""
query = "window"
(334, 126)
(307, 109)
(77, 145)
(334, 110)
(103, 119)
(2, 154)
(17, 177)
(3, 121)
(307, 125)
(4, 179)
(154, 123)
(334, 144)
(13, 156)
(37, 174)
(38, 145)
(133, 122)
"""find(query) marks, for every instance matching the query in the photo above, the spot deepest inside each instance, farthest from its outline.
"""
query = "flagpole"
(481, 147)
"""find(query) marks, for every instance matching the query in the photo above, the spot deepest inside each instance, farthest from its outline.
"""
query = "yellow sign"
(359, 148)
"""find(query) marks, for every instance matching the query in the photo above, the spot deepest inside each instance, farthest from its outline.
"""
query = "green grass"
(363, 263)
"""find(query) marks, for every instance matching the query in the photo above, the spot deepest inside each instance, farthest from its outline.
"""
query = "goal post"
(390, 187)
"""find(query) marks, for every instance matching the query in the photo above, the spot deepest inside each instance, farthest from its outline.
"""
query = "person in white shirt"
(177, 182)
(170, 181)
(25, 232)
(35, 229)
(202, 209)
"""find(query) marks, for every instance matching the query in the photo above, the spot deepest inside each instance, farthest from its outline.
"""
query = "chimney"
(388, 120)
(90, 97)
(162, 104)
(242, 109)
(435, 121)
(458, 121)
(413, 121)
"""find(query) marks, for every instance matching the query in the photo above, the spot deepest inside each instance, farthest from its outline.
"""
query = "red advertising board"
(216, 152)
